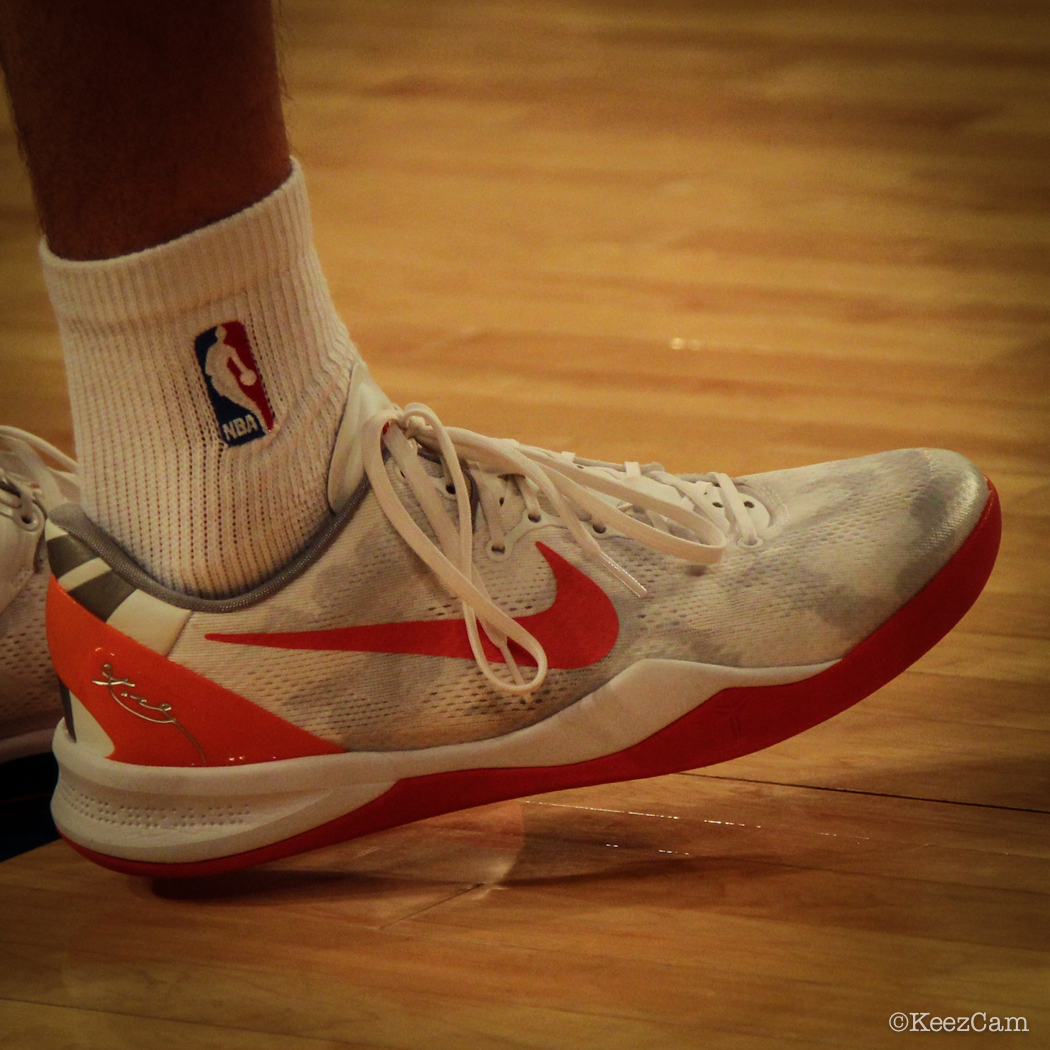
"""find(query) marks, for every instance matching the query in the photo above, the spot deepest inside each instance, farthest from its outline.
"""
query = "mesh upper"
(29, 698)
(848, 543)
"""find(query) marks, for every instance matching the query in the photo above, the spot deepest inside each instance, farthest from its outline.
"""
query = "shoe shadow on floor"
(488, 846)
(707, 833)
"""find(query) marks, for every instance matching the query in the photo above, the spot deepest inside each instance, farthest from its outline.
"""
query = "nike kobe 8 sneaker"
(480, 620)
(29, 488)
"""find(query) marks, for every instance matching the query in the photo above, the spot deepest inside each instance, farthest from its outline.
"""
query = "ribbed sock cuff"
(214, 263)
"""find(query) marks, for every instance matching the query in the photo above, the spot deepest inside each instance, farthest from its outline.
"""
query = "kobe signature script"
(160, 714)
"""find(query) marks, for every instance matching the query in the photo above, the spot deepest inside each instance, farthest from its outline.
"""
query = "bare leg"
(142, 121)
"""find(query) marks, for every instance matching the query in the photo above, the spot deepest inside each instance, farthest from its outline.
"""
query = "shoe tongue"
(346, 471)
(642, 483)
(657, 489)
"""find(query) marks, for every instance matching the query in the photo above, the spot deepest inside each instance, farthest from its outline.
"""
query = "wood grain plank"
(736, 235)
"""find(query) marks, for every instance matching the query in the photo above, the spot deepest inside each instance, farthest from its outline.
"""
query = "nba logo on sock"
(234, 384)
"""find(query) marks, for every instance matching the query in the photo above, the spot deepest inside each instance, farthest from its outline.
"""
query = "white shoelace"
(29, 488)
(577, 491)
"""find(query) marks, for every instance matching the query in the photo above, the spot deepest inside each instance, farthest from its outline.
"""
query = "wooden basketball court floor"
(724, 235)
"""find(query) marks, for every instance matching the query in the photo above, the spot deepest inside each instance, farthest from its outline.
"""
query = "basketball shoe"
(480, 620)
(29, 489)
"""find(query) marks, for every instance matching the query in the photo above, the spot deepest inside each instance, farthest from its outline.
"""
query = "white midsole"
(173, 815)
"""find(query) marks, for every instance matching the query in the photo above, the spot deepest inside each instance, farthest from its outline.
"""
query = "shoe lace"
(29, 488)
(690, 519)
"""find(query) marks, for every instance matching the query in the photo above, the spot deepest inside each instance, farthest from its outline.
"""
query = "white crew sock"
(207, 378)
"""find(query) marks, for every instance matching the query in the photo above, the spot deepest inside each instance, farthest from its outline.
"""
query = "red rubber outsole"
(730, 724)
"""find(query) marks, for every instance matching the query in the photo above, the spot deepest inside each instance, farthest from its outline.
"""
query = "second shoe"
(29, 489)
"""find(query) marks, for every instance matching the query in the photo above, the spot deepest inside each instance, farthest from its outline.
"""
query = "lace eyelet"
(601, 530)
(31, 523)
(750, 545)
(496, 551)
(535, 518)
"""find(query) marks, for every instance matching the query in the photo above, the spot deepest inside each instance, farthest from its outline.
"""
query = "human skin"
(141, 121)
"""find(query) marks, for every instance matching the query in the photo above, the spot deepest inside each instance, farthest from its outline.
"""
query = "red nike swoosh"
(579, 629)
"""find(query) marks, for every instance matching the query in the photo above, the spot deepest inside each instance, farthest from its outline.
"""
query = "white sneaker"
(29, 489)
(480, 620)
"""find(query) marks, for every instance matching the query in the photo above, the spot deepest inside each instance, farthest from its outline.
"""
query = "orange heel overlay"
(156, 712)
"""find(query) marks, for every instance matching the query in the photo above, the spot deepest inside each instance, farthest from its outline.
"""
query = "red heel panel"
(156, 712)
